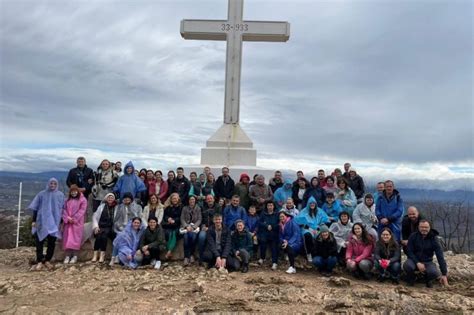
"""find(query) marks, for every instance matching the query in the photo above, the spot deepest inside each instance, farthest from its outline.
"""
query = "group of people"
(329, 220)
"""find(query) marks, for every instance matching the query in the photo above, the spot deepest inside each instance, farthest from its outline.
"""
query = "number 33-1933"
(237, 27)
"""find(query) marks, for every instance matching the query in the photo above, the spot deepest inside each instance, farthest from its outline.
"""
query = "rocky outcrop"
(86, 287)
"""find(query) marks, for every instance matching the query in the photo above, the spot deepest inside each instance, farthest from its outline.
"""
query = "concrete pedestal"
(229, 146)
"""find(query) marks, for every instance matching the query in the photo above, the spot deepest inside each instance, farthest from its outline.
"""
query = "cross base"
(229, 146)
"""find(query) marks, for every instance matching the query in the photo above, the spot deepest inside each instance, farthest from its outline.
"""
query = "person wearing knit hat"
(325, 251)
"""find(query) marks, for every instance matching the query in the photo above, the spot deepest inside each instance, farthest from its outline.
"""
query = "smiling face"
(369, 202)
(325, 235)
(192, 201)
(53, 185)
(282, 217)
(385, 236)
(110, 200)
(321, 175)
(136, 224)
(290, 203)
(357, 230)
(153, 199)
(129, 170)
(344, 218)
(105, 165)
(174, 199)
(152, 224)
(240, 226)
(235, 201)
(170, 176)
(74, 193)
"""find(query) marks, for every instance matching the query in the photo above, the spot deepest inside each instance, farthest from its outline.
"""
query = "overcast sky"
(384, 84)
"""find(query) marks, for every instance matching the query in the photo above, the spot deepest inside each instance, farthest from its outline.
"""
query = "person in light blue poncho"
(282, 194)
(310, 218)
(47, 209)
(127, 242)
(130, 182)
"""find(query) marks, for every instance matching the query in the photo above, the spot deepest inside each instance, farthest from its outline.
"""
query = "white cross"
(234, 31)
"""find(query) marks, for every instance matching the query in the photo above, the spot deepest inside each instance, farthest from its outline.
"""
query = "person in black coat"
(180, 185)
(81, 176)
(325, 251)
(356, 183)
(410, 225)
(210, 208)
(421, 247)
(387, 257)
(224, 186)
(172, 222)
(218, 245)
(267, 233)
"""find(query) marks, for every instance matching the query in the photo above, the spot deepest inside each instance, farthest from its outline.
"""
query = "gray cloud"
(368, 81)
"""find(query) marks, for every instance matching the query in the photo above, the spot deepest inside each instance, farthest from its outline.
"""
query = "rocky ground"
(88, 288)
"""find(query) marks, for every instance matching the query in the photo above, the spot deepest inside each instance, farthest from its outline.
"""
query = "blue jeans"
(202, 244)
(392, 271)
(189, 243)
(325, 264)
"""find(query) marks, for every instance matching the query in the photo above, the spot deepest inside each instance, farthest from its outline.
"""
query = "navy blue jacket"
(421, 249)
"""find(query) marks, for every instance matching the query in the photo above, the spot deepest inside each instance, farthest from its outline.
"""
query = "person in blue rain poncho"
(309, 219)
(282, 194)
(47, 209)
(130, 182)
(127, 242)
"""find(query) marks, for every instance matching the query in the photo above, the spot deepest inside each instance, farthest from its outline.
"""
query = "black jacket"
(154, 239)
(226, 242)
(80, 177)
(265, 220)
(325, 248)
(173, 212)
(381, 252)
(421, 249)
(208, 214)
(181, 186)
(408, 227)
(224, 190)
(357, 185)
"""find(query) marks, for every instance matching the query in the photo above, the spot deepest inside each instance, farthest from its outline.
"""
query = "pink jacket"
(74, 208)
(357, 250)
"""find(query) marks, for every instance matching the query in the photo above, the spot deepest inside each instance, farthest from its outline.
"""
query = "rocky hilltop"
(89, 288)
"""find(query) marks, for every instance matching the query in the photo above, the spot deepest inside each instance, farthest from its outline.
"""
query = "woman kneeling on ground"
(152, 243)
(325, 251)
(387, 257)
(359, 252)
(127, 242)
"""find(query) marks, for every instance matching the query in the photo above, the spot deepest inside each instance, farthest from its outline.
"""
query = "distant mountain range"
(409, 189)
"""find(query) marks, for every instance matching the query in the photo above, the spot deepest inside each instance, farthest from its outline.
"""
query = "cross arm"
(260, 31)
(203, 29)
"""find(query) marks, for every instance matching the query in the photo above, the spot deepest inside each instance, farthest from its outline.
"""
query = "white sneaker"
(112, 261)
(191, 259)
(153, 262)
(158, 264)
(73, 260)
(310, 258)
(291, 270)
(286, 258)
(274, 266)
(186, 261)
(66, 260)
(260, 261)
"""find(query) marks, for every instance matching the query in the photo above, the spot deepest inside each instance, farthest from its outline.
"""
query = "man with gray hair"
(260, 193)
